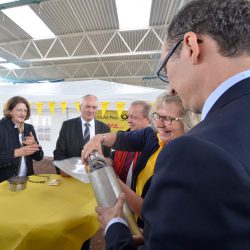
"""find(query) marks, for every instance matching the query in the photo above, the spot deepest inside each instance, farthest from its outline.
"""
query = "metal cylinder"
(106, 187)
(17, 183)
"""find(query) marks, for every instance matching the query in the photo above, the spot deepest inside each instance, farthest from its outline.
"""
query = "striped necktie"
(86, 135)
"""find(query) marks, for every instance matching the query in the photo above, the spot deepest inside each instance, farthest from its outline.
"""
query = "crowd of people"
(199, 193)
(187, 185)
(134, 151)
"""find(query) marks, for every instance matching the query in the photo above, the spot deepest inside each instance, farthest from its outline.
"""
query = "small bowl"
(17, 183)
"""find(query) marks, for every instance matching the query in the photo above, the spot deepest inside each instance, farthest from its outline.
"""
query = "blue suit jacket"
(144, 141)
(200, 193)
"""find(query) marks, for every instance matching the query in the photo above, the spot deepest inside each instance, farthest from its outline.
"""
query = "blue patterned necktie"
(86, 135)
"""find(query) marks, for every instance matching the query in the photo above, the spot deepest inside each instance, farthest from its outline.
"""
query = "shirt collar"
(92, 122)
(221, 89)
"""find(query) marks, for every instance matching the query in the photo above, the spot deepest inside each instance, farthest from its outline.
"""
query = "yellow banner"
(77, 105)
(63, 106)
(113, 121)
(52, 106)
(104, 107)
(120, 106)
(39, 107)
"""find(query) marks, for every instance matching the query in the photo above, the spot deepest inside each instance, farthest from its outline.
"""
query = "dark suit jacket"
(70, 141)
(9, 141)
(200, 193)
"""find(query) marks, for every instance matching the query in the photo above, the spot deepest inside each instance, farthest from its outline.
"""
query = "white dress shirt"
(91, 127)
(23, 167)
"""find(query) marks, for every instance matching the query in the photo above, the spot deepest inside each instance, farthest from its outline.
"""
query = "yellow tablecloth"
(44, 217)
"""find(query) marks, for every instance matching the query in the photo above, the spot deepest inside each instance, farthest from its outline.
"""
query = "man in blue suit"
(199, 198)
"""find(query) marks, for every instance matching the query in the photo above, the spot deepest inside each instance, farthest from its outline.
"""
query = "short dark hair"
(225, 21)
(11, 104)
(146, 107)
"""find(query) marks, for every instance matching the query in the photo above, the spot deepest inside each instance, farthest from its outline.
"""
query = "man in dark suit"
(71, 137)
(200, 193)
(74, 134)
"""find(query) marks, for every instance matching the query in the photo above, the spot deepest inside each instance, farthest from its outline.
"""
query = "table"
(44, 217)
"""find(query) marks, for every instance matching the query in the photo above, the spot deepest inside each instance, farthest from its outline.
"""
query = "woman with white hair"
(170, 120)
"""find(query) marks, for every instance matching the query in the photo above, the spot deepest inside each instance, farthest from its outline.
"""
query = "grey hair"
(88, 95)
(146, 107)
(225, 21)
(165, 98)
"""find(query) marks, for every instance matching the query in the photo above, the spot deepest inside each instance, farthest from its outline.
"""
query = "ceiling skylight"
(10, 66)
(6, 1)
(133, 14)
(2, 59)
(29, 21)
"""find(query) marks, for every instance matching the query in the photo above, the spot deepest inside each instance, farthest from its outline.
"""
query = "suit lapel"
(97, 128)
(79, 132)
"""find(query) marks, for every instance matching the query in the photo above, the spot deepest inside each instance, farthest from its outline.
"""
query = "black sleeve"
(61, 145)
(118, 237)
(37, 156)
(106, 150)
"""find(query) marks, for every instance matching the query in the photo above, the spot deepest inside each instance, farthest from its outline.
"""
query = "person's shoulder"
(100, 123)
(5, 122)
(2, 121)
(147, 131)
(199, 146)
(146, 134)
(72, 120)
(28, 125)
(188, 140)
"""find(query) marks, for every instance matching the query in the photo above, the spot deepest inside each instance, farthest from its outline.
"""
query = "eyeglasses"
(162, 72)
(166, 119)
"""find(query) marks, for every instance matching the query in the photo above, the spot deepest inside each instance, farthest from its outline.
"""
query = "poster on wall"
(113, 121)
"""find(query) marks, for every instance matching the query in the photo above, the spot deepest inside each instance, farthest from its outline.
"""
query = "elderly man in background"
(124, 162)
(199, 194)
(76, 132)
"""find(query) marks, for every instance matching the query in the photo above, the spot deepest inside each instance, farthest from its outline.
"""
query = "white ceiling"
(88, 44)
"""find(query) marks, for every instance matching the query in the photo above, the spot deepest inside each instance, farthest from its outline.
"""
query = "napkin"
(73, 167)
